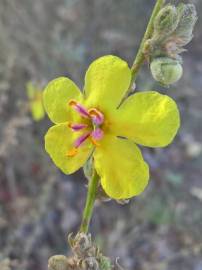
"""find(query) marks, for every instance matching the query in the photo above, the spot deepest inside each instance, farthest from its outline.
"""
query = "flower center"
(91, 129)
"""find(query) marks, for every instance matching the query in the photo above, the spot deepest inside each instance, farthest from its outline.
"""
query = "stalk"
(140, 57)
(91, 196)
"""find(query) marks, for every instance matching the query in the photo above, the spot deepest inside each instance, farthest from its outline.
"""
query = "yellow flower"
(95, 123)
(35, 102)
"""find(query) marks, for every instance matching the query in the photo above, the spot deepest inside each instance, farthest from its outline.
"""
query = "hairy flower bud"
(82, 245)
(90, 263)
(166, 70)
(187, 19)
(166, 21)
(173, 29)
(86, 255)
(58, 262)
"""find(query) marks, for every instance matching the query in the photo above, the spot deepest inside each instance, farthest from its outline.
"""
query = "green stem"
(91, 196)
(140, 57)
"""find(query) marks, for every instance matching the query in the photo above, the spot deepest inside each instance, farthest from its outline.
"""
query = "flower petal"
(148, 118)
(59, 140)
(106, 81)
(37, 110)
(120, 165)
(56, 96)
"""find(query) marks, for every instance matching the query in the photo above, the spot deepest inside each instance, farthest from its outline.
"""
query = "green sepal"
(166, 21)
(88, 168)
(187, 20)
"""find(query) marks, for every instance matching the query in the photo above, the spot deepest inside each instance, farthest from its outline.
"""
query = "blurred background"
(39, 206)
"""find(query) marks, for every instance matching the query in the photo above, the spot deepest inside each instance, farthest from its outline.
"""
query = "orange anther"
(72, 102)
(94, 142)
(93, 112)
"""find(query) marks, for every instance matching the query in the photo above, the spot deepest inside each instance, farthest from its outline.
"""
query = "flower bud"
(58, 262)
(166, 21)
(82, 245)
(90, 263)
(166, 70)
(187, 19)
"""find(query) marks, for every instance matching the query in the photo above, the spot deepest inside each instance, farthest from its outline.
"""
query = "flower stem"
(91, 196)
(140, 57)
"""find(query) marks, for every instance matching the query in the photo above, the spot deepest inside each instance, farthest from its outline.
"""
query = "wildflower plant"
(100, 127)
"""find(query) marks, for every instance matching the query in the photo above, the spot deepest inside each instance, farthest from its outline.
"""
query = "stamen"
(72, 152)
(94, 142)
(77, 127)
(97, 134)
(79, 108)
(81, 139)
(96, 116)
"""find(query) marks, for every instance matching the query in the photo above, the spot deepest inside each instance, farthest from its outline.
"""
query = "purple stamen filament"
(77, 127)
(95, 133)
(81, 139)
(79, 108)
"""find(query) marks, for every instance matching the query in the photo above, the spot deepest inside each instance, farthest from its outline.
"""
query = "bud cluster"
(86, 256)
(173, 29)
